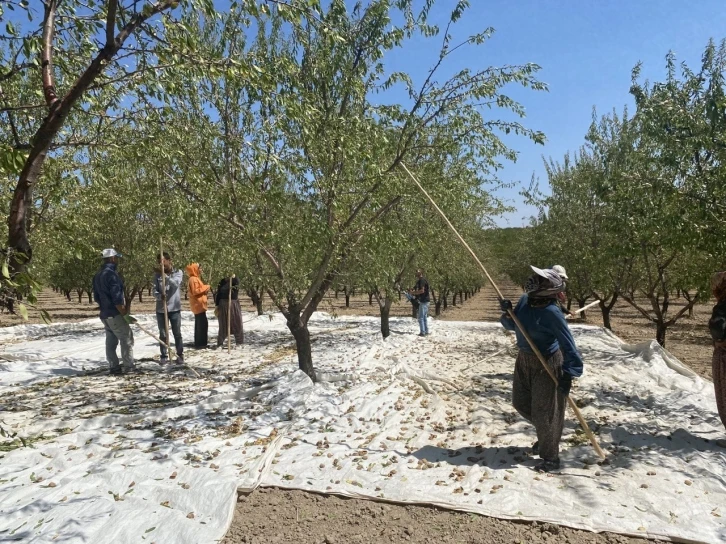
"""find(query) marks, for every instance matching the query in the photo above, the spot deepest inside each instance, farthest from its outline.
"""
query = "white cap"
(107, 253)
(561, 271)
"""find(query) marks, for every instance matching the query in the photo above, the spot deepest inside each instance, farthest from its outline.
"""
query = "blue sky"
(586, 49)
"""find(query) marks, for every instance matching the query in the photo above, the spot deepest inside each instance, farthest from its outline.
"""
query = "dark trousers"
(175, 326)
(201, 326)
(536, 398)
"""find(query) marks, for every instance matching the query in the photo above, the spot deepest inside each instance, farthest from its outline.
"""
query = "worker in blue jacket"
(535, 395)
(108, 292)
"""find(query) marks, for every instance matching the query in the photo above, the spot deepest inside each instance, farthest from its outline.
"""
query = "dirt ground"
(276, 515)
(269, 516)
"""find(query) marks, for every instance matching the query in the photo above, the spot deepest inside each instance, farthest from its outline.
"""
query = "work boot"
(164, 361)
(179, 360)
(115, 372)
(548, 466)
(535, 448)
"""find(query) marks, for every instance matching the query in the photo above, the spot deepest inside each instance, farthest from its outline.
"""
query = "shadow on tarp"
(491, 457)
(72, 530)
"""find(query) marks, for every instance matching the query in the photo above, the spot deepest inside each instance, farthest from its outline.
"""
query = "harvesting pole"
(163, 293)
(229, 316)
(537, 352)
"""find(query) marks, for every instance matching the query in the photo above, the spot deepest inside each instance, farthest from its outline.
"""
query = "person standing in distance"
(172, 298)
(198, 301)
(421, 292)
(108, 292)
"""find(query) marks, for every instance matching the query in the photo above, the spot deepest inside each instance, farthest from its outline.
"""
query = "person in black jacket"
(221, 301)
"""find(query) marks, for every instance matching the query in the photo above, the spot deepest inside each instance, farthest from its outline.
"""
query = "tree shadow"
(492, 457)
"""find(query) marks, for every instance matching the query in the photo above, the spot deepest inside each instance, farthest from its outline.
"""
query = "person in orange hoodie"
(198, 301)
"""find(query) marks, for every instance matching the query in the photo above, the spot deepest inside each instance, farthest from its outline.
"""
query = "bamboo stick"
(163, 295)
(570, 401)
(229, 316)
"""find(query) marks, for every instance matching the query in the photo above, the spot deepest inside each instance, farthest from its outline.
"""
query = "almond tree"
(303, 161)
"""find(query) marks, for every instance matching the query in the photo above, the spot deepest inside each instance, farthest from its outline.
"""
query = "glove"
(505, 304)
(565, 384)
(130, 319)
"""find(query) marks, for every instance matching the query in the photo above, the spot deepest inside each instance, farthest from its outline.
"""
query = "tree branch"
(46, 56)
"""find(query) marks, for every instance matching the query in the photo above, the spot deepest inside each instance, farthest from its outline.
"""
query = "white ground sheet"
(159, 456)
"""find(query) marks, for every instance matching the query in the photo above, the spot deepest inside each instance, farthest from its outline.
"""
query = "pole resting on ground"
(537, 352)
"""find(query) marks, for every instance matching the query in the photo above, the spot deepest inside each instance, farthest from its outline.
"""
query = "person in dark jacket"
(221, 301)
(421, 292)
(108, 291)
(535, 395)
(717, 328)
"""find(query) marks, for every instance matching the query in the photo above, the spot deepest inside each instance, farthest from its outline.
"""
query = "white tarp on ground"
(159, 456)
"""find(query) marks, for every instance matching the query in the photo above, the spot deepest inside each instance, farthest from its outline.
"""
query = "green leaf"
(6, 272)
(23, 311)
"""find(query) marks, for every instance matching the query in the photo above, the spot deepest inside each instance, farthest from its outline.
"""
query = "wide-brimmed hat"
(108, 253)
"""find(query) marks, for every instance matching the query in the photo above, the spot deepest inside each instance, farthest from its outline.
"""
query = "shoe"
(548, 466)
(421, 334)
(179, 360)
(535, 448)
(164, 361)
(132, 370)
(116, 372)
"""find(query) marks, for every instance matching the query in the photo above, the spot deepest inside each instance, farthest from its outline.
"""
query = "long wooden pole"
(537, 352)
(163, 296)
(229, 316)
(586, 307)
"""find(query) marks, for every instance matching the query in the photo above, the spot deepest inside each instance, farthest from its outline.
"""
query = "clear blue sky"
(586, 49)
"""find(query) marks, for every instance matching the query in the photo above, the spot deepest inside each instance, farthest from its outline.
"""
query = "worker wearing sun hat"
(561, 299)
(535, 395)
(108, 291)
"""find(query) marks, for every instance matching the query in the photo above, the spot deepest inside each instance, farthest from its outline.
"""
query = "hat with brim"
(108, 253)
(561, 271)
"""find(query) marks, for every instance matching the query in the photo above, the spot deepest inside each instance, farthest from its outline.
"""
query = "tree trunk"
(148, 291)
(68, 295)
(347, 299)
(256, 298)
(370, 299)
(304, 348)
(90, 297)
(606, 308)
(336, 293)
(141, 296)
(437, 307)
(581, 304)
(444, 296)
(79, 292)
(461, 297)
(453, 299)
(660, 333)
(385, 314)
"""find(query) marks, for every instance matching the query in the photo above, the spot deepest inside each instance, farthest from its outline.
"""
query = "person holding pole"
(167, 294)
(535, 395)
(228, 311)
(198, 292)
(108, 292)
(421, 292)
